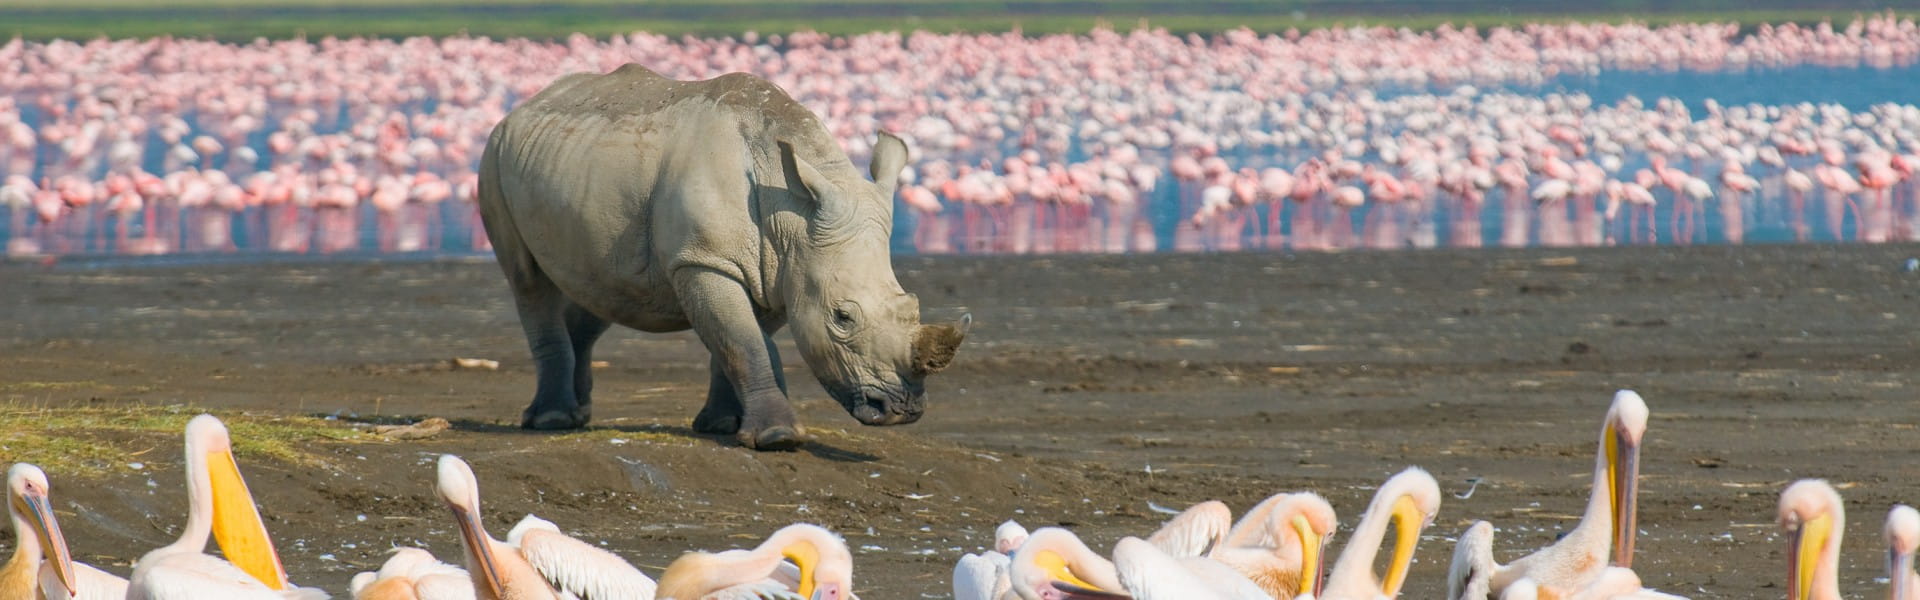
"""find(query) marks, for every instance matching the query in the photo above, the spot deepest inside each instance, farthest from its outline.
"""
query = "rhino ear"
(889, 158)
(830, 209)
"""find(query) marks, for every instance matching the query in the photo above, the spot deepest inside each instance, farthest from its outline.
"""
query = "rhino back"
(615, 180)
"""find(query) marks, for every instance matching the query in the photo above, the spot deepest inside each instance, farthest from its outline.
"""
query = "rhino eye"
(842, 317)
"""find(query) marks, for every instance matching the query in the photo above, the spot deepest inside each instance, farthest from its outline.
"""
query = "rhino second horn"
(934, 345)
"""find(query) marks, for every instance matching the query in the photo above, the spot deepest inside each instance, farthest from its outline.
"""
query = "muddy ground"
(1091, 387)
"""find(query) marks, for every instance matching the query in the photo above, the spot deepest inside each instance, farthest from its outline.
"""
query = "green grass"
(93, 440)
(240, 20)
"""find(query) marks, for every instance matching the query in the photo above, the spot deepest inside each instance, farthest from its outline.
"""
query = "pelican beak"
(1900, 568)
(52, 542)
(1803, 556)
(1311, 565)
(1407, 522)
(805, 556)
(1079, 592)
(1623, 475)
(1056, 567)
(478, 549)
(236, 523)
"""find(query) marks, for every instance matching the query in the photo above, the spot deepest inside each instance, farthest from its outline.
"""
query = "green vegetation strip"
(94, 440)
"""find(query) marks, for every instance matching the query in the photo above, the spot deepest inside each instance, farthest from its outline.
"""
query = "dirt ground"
(1091, 389)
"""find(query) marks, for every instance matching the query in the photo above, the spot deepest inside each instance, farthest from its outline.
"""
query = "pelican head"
(461, 491)
(1416, 501)
(214, 477)
(1052, 554)
(27, 500)
(1307, 519)
(1008, 537)
(1903, 537)
(826, 566)
(1626, 427)
(1812, 516)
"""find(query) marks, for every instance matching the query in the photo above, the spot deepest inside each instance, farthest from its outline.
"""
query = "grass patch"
(94, 440)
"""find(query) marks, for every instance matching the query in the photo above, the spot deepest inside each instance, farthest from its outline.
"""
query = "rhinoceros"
(720, 205)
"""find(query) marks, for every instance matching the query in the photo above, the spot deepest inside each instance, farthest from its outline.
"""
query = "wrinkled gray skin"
(721, 205)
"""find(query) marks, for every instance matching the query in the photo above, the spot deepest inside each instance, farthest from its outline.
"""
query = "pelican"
(1410, 500)
(1054, 563)
(1614, 583)
(1053, 555)
(824, 569)
(537, 561)
(1903, 537)
(1279, 544)
(413, 574)
(1813, 518)
(1578, 558)
(984, 576)
(1148, 572)
(41, 563)
(219, 506)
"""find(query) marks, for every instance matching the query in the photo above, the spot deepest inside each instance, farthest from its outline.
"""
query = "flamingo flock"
(1105, 142)
(1273, 552)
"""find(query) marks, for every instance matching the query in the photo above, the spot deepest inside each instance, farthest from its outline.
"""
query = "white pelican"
(1149, 572)
(984, 576)
(1814, 520)
(1577, 559)
(1409, 500)
(41, 563)
(1903, 537)
(538, 562)
(1054, 564)
(219, 505)
(413, 574)
(1279, 544)
(1614, 583)
(822, 569)
(1053, 555)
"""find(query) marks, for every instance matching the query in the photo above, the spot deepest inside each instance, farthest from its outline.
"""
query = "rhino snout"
(877, 408)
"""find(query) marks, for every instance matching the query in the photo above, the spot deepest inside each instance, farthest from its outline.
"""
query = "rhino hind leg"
(583, 329)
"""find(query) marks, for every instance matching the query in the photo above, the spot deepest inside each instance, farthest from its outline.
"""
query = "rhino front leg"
(746, 375)
(723, 412)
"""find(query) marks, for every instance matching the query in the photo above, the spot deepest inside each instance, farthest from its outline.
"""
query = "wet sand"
(1091, 387)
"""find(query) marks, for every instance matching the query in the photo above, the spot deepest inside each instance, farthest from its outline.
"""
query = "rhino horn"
(934, 345)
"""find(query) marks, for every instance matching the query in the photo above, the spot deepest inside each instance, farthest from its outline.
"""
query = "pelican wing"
(195, 576)
(980, 576)
(94, 584)
(1150, 573)
(582, 569)
(767, 589)
(1470, 576)
(1194, 531)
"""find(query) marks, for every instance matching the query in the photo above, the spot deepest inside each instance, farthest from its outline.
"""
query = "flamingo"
(219, 506)
(1577, 559)
(41, 564)
(821, 569)
(536, 561)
